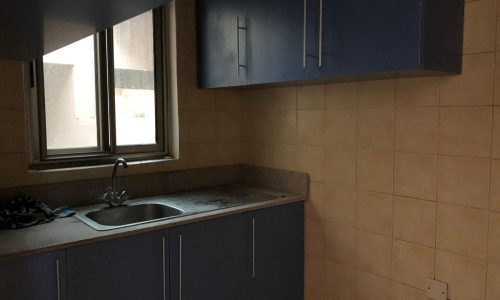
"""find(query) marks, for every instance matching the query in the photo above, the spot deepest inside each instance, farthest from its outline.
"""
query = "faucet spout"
(115, 168)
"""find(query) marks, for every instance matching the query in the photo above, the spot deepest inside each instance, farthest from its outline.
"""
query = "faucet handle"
(124, 196)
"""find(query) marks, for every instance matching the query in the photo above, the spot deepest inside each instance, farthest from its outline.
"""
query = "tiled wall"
(209, 120)
(405, 174)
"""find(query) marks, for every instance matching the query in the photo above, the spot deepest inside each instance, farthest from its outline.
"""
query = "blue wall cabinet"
(37, 277)
(334, 40)
(221, 30)
(211, 260)
(279, 253)
(128, 268)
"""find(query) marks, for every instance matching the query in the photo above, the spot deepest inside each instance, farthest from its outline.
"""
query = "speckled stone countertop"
(199, 205)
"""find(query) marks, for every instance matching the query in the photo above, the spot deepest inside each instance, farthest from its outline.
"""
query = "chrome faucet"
(112, 196)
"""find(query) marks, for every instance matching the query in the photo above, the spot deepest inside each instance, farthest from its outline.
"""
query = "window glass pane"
(70, 96)
(134, 81)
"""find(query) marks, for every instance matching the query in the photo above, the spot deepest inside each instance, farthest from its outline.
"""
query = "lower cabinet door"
(37, 277)
(127, 268)
(279, 253)
(211, 260)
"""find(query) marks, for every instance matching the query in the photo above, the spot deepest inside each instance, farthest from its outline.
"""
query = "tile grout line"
(437, 180)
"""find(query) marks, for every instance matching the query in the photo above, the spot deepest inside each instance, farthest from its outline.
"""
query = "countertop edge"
(160, 225)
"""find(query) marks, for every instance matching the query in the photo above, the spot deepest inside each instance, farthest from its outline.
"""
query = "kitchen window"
(103, 96)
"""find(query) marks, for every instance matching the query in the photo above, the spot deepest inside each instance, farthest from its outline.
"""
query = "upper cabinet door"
(276, 36)
(37, 277)
(211, 260)
(128, 268)
(222, 43)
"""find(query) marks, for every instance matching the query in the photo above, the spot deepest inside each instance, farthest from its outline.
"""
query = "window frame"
(107, 150)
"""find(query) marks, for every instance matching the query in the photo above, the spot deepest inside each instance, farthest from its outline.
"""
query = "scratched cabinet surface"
(37, 277)
(128, 268)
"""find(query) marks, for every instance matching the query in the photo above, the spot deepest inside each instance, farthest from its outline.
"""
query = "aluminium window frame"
(107, 150)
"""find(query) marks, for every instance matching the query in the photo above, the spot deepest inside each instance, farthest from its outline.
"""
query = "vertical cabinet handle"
(164, 269)
(180, 267)
(238, 39)
(304, 41)
(320, 38)
(253, 247)
(58, 280)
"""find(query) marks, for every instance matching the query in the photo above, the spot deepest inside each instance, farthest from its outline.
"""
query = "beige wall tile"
(495, 185)
(260, 154)
(285, 126)
(340, 128)
(495, 140)
(374, 212)
(13, 136)
(285, 98)
(464, 181)
(229, 153)
(462, 230)
(202, 126)
(373, 253)
(258, 99)
(340, 243)
(412, 264)
(339, 281)
(404, 292)
(375, 171)
(313, 270)
(228, 125)
(494, 239)
(340, 204)
(377, 93)
(312, 161)
(493, 288)
(466, 277)
(479, 26)
(465, 131)
(314, 234)
(11, 84)
(417, 130)
(228, 100)
(411, 92)
(315, 204)
(474, 86)
(311, 127)
(258, 126)
(199, 155)
(16, 171)
(497, 80)
(285, 156)
(313, 294)
(415, 175)
(341, 95)
(340, 167)
(369, 287)
(415, 220)
(190, 97)
(375, 129)
(311, 96)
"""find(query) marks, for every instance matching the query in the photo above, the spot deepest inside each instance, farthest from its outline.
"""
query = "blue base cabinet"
(37, 277)
(279, 253)
(327, 40)
(211, 259)
(127, 268)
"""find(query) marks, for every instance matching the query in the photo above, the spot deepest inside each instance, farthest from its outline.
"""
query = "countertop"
(202, 204)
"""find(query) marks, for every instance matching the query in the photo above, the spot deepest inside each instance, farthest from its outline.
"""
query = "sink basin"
(122, 216)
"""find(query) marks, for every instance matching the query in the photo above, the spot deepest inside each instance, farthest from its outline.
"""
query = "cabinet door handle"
(164, 269)
(238, 28)
(304, 41)
(320, 38)
(58, 280)
(180, 267)
(253, 247)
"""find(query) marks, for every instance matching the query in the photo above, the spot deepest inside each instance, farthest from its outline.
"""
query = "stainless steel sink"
(127, 215)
